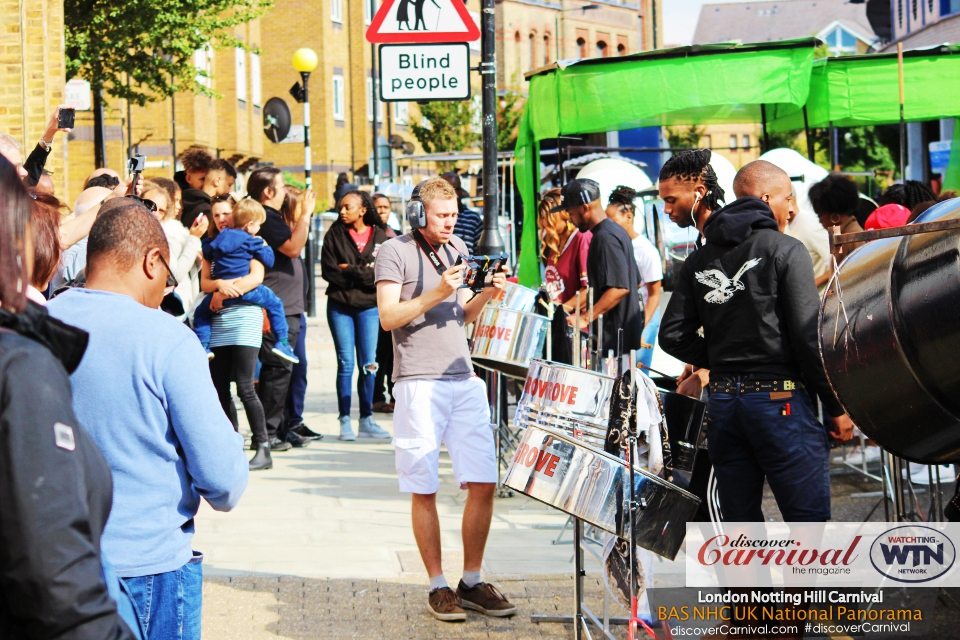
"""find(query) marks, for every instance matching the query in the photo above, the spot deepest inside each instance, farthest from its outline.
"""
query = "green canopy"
(862, 90)
(705, 84)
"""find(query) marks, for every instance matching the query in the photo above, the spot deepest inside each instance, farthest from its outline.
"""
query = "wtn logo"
(897, 554)
(913, 553)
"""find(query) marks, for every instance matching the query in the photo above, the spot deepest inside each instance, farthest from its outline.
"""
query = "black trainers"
(296, 441)
(444, 604)
(486, 599)
(276, 444)
(306, 432)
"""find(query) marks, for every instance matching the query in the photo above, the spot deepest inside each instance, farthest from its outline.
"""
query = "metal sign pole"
(490, 242)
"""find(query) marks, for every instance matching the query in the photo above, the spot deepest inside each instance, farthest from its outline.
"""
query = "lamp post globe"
(305, 60)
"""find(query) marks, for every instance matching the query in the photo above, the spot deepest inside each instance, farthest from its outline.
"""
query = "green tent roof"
(863, 90)
(724, 83)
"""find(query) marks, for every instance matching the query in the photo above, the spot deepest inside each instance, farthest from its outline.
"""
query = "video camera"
(480, 270)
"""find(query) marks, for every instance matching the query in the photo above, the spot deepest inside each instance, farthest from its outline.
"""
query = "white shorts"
(454, 412)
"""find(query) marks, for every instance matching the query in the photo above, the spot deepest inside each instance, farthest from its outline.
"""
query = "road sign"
(419, 21)
(77, 94)
(424, 72)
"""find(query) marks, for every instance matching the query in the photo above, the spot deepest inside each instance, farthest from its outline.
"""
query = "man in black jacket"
(745, 307)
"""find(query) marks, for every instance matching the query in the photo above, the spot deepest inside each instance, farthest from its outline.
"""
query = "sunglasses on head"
(149, 204)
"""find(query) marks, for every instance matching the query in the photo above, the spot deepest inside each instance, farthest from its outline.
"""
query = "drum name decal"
(723, 288)
(551, 390)
(545, 462)
(496, 333)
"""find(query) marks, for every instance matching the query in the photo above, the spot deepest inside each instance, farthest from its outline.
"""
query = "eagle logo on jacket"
(723, 287)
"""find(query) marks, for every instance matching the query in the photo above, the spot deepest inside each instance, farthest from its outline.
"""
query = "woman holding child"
(235, 336)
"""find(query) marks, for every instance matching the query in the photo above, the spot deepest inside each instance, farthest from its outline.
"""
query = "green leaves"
(150, 42)
(446, 126)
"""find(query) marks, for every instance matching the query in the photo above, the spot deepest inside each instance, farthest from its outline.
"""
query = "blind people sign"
(423, 21)
(424, 72)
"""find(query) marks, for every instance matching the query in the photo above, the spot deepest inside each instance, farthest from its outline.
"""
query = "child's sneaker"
(210, 355)
(283, 350)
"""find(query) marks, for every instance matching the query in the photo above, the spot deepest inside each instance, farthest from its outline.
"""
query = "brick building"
(32, 68)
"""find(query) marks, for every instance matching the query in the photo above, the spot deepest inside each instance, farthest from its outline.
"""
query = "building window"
(949, 6)
(241, 69)
(203, 61)
(733, 142)
(746, 141)
(255, 90)
(533, 50)
(603, 50)
(368, 11)
(401, 112)
(841, 42)
(338, 98)
(582, 45)
(621, 50)
(546, 49)
(900, 13)
(336, 10)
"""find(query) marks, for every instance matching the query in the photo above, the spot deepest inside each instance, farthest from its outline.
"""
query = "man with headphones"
(438, 397)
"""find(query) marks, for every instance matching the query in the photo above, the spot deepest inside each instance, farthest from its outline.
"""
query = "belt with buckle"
(754, 386)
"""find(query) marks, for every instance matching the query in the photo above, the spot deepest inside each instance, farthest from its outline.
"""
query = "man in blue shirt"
(143, 391)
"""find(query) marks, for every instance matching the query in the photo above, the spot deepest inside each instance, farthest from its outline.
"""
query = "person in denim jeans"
(143, 391)
(347, 261)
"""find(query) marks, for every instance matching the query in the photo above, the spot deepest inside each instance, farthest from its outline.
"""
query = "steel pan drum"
(588, 483)
(505, 340)
(684, 416)
(890, 340)
(575, 401)
(516, 297)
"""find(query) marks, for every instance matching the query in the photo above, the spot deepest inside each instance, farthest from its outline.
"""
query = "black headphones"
(416, 214)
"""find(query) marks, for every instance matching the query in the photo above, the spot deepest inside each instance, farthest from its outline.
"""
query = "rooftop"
(772, 21)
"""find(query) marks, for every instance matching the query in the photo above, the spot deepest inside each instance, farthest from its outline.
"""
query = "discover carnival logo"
(912, 553)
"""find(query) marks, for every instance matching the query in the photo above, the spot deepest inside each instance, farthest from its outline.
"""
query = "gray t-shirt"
(433, 346)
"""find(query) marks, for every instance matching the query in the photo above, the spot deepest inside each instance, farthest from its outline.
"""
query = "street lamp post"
(305, 61)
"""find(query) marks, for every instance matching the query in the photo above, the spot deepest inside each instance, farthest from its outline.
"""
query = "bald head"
(102, 172)
(770, 183)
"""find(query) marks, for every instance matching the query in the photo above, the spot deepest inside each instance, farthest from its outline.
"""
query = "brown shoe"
(485, 598)
(445, 605)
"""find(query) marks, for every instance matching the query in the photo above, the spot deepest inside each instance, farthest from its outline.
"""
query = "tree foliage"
(509, 112)
(684, 137)
(446, 126)
(151, 42)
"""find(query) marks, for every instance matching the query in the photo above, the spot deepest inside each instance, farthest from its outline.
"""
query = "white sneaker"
(919, 474)
(346, 431)
(370, 429)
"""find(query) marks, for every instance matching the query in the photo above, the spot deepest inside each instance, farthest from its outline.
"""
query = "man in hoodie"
(217, 181)
(745, 307)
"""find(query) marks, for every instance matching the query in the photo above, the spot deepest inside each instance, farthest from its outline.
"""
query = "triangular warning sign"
(423, 21)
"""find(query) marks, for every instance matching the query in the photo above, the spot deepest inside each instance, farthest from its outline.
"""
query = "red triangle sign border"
(413, 37)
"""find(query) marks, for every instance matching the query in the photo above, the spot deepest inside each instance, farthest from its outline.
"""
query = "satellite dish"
(276, 119)
(396, 142)
(408, 148)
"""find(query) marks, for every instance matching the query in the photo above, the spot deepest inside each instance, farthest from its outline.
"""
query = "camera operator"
(438, 397)
(31, 169)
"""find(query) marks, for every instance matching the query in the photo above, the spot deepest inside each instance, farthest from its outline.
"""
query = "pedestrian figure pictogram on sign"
(423, 21)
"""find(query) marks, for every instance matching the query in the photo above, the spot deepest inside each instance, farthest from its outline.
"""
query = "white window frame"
(733, 142)
(336, 11)
(367, 14)
(401, 113)
(203, 61)
(240, 57)
(256, 89)
(339, 107)
(746, 140)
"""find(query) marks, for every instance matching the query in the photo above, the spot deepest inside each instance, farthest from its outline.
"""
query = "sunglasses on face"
(171, 279)
(149, 204)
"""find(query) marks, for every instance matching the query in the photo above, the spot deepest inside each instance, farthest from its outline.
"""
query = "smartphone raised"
(66, 118)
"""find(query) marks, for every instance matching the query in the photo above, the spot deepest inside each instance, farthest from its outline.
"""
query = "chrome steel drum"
(505, 340)
(890, 340)
(684, 416)
(572, 400)
(588, 483)
(516, 297)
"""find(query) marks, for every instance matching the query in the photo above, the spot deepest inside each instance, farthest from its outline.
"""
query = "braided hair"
(624, 198)
(691, 165)
(909, 194)
(370, 216)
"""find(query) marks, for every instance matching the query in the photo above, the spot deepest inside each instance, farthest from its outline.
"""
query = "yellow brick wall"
(32, 75)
